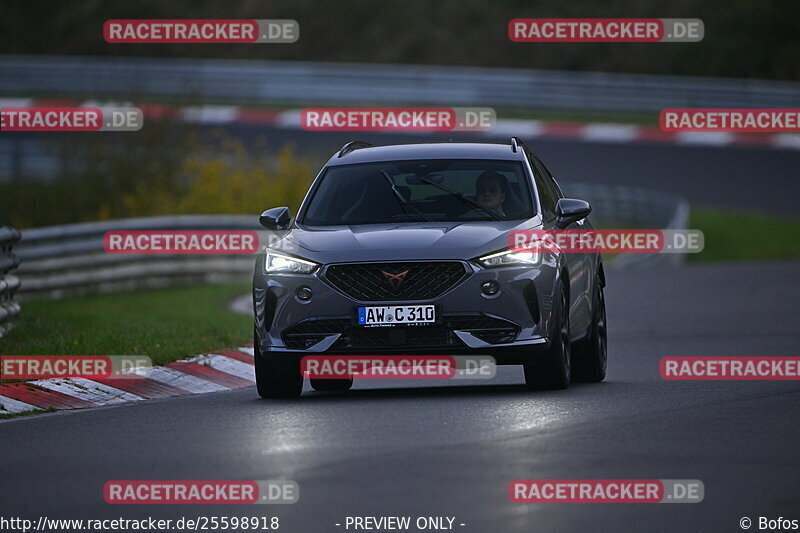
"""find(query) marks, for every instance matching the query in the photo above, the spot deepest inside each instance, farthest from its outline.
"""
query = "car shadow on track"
(444, 391)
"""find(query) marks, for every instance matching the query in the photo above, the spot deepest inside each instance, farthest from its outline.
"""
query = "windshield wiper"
(400, 198)
(461, 197)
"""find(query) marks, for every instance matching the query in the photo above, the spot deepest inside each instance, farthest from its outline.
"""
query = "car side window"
(550, 180)
(547, 195)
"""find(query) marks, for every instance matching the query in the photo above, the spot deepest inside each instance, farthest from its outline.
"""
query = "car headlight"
(511, 258)
(285, 264)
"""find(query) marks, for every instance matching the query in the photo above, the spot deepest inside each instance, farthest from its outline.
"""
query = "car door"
(578, 264)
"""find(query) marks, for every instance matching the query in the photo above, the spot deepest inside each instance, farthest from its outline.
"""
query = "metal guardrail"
(9, 308)
(63, 260)
(264, 82)
(58, 261)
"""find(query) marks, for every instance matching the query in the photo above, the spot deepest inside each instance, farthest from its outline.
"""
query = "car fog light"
(490, 288)
(304, 294)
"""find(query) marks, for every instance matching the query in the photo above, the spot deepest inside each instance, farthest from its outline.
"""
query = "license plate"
(393, 315)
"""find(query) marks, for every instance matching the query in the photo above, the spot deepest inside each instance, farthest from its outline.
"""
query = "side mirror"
(276, 219)
(569, 210)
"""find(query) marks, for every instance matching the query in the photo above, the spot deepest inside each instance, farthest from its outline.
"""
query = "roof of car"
(400, 152)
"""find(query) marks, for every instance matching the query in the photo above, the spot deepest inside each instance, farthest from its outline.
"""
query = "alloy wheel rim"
(602, 344)
(565, 347)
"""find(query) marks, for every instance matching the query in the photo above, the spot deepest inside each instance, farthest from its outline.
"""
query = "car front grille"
(371, 282)
(489, 329)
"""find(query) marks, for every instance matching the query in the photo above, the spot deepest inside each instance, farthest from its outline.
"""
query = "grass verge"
(741, 236)
(26, 413)
(164, 324)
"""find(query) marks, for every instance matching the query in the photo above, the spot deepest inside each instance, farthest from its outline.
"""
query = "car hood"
(381, 242)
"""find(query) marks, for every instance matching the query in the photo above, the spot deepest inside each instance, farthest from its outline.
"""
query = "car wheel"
(331, 385)
(277, 379)
(552, 371)
(592, 360)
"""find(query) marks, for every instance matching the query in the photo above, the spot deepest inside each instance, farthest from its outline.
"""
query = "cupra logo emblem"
(395, 280)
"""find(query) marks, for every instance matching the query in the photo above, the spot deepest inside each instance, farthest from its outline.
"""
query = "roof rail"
(353, 145)
(515, 143)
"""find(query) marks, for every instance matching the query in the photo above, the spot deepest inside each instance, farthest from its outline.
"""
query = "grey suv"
(404, 250)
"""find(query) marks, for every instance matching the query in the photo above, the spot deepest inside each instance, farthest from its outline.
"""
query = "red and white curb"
(219, 371)
(504, 128)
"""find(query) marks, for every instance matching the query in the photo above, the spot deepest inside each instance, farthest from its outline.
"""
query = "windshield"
(418, 191)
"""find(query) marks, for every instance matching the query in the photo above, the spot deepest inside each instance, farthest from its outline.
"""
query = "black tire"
(277, 379)
(592, 358)
(552, 371)
(331, 385)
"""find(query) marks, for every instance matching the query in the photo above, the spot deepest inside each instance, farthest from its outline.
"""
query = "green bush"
(164, 172)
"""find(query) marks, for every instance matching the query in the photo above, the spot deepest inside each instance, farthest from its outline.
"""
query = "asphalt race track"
(448, 449)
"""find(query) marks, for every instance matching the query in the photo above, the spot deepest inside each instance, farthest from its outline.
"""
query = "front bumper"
(511, 325)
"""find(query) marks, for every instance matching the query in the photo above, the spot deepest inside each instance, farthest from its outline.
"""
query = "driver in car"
(491, 189)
